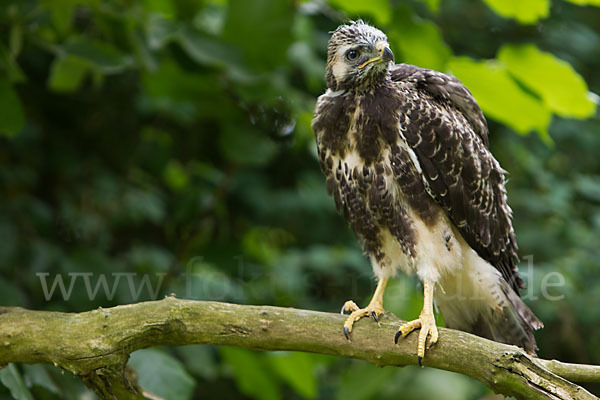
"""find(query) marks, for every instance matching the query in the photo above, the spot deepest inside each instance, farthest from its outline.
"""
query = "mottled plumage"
(405, 154)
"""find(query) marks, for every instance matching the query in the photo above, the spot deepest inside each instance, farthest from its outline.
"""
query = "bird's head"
(358, 57)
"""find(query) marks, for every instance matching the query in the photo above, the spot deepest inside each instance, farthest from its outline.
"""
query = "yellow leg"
(374, 309)
(426, 322)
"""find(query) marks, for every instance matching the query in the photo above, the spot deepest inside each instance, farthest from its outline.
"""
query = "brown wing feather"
(445, 87)
(447, 131)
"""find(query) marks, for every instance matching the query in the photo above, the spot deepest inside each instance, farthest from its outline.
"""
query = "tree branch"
(573, 372)
(96, 344)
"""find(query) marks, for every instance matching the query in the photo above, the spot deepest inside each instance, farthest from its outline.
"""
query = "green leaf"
(11, 378)
(15, 42)
(164, 7)
(12, 117)
(524, 11)
(563, 90)
(160, 31)
(67, 73)
(379, 9)
(433, 5)
(199, 360)
(140, 48)
(70, 386)
(251, 376)
(416, 384)
(61, 15)
(500, 97)
(37, 375)
(420, 42)
(9, 66)
(175, 176)
(205, 50)
(588, 186)
(297, 369)
(102, 56)
(162, 375)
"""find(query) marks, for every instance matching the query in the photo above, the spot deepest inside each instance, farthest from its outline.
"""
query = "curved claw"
(397, 336)
(420, 359)
(349, 306)
(374, 315)
(347, 332)
(431, 342)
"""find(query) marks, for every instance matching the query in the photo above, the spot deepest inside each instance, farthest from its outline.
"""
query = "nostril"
(380, 46)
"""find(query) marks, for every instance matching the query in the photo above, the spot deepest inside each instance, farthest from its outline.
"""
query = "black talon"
(374, 315)
(420, 359)
(346, 332)
(397, 336)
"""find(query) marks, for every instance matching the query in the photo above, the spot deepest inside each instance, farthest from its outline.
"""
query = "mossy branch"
(96, 345)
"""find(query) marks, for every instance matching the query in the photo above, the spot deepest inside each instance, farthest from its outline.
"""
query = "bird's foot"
(373, 310)
(426, 323)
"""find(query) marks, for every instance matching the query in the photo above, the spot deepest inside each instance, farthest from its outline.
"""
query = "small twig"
(573, 372)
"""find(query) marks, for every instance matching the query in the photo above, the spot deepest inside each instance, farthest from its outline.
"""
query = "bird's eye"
(352, 55)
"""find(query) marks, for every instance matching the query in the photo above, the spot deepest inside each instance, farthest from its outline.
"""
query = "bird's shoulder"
(444, 88)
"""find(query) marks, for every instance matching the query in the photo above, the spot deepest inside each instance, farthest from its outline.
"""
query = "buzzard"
(405, 154)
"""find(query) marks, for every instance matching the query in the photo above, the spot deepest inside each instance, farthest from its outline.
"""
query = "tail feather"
(497, 313)
(512, 323)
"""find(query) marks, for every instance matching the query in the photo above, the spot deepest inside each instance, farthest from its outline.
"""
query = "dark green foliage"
(165, 146)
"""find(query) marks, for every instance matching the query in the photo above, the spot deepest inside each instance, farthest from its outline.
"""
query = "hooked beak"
(385, 55)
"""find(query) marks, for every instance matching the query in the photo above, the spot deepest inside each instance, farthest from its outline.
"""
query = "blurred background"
(164, 146)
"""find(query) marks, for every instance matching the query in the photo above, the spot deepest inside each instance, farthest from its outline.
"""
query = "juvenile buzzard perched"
(405, 153)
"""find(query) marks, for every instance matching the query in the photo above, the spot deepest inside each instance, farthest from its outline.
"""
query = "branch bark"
(96, 344)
